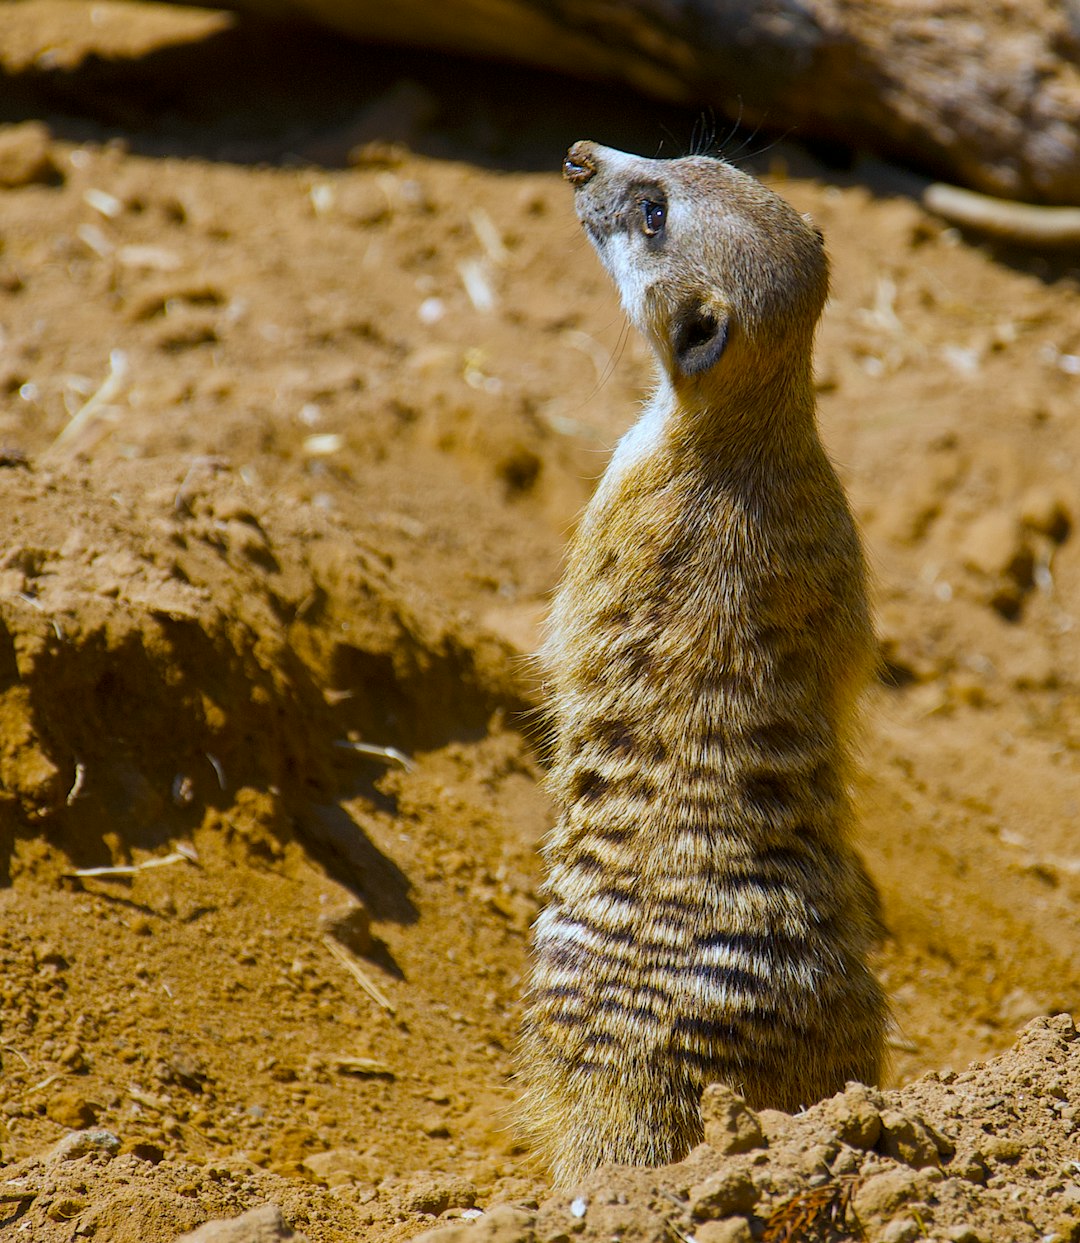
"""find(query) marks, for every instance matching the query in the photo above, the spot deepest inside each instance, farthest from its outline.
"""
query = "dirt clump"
(289, 449)
(939, 1159)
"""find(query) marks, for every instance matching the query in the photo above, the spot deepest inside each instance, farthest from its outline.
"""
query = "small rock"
(961, 1234)
(901, 1230)
(363, 203)
(1003, 1148)
(154, 1154)
(70, 1108)
(994, 545)
(854, 1117)
(731, 1230)
(73, 1058)
(1067, 1226)
(1028, 666)
(502, 1224)
(908, 1140)
(883, 1194)
(775, 1124)
(437, 1193)
(846, 1161)
(730, 1125)
(260, 1225)
(182, 1068)
(78, 1143)
(338, 1167)
(24, 155)
(1059, 1027)
(817, 1158)
(969, 1165)
(723, 1195)
(1044, 510)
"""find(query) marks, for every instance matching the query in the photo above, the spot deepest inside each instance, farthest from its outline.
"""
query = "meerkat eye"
(653, 217)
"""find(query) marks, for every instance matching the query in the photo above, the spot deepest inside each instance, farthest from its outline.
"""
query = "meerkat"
(706, 916)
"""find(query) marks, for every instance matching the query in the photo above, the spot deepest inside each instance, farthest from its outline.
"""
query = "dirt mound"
(987, 1154)
(194, 686)
(293, 425)
(983, 1155)
(274, 637)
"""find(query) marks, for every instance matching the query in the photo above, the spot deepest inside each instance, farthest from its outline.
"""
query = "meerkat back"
(706, 918)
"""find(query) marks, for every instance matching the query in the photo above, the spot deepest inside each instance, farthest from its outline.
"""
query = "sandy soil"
(305, 372)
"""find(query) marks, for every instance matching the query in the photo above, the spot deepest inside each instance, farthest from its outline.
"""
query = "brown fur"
(707, 918)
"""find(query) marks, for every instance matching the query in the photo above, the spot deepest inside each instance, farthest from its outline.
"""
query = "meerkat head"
(707, 261)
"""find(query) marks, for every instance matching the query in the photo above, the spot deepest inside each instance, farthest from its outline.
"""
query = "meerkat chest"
(653, 538)
(703, 568)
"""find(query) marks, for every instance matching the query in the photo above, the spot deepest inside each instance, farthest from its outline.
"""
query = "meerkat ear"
(698, 337)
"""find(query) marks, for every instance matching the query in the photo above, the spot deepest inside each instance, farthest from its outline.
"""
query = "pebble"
(816, 1160)
(502, 1224)
(78, 1143)
(338, 1167)
(1044, 510)
(883, 1194)
(723, 1195)
(264, 1224)
(731, 1230)
(961, 1234)
(900, 1230)
(438, 1192)
(73, 1058)
(24, 155)
(854, 1117)
(908, 1140)
(994, 545)
(730, 1126)
(1005, 1148)
(363, 204)
(776, 1125)
(969, 1165)
(68, 1107)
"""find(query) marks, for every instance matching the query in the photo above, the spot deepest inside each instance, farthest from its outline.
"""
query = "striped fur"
(706, 918)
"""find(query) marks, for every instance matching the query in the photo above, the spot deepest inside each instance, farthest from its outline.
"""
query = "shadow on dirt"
(217, 691)
(255, 93)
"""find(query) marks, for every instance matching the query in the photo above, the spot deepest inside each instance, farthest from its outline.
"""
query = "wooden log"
(980, 94)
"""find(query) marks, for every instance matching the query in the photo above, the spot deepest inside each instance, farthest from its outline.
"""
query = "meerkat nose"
(580, 164)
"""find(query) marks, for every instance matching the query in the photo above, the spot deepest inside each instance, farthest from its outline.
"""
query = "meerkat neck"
(725, 430)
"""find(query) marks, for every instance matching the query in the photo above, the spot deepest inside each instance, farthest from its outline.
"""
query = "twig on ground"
(94, 408)
(46, 1082)
(182, 854)
(358, 973)
(77, 784)
(391, 755)
(362, 1066)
